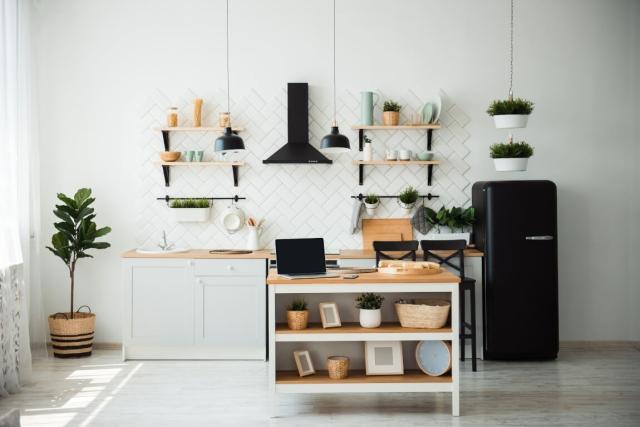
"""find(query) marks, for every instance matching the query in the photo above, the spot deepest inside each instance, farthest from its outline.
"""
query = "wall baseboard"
(599, 345)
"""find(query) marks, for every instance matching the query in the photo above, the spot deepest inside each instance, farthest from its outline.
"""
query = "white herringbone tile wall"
(294, 200)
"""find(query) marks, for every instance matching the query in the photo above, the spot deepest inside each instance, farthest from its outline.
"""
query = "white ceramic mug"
(391, 155)
(404, 155)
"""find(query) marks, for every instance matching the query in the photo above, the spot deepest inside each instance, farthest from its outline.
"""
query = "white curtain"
(18, 192)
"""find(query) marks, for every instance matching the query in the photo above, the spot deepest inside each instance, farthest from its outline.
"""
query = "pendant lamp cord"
(511, 56)
(228, 83)
(334, 63)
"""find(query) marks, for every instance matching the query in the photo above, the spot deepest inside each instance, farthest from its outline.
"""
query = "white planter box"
(511, 121)
(191, 214)
(449, 236)
(511, 164)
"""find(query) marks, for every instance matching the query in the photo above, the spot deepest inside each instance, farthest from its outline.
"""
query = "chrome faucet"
(164, 245)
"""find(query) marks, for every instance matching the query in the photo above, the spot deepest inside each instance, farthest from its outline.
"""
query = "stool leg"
(473, 328)
(462, 327)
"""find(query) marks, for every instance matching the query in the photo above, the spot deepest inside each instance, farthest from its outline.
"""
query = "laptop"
(301, 259)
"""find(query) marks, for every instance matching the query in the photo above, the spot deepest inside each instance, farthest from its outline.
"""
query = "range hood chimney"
(297, 149)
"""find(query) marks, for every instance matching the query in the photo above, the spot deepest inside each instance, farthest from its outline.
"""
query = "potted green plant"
(370, 305)
(190, 210)
(456, 220)
(511, 156)
(72, 332)
(371, 202)
(391, 113)
(408, 198)
(297, 314)
(510, 113)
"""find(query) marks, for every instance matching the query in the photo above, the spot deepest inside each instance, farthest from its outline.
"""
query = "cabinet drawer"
(229, 267)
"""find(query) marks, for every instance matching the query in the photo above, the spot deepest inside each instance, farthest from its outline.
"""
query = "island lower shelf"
(354, 332)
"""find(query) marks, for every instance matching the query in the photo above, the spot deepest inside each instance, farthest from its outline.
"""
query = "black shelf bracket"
(166, 173)
(361, 174)
(360, 140)
(429, 136)
(428, 196)
(429, 174)
(234, 169)
(165, 140)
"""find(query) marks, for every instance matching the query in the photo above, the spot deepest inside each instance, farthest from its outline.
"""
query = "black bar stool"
(466, 284)
(408, 246)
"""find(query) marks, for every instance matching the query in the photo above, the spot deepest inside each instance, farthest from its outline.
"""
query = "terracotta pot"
(72, 337)
(390, 118)
(297, 320)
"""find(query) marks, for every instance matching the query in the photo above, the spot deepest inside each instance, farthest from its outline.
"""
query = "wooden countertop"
(367, 278)
(269, 254)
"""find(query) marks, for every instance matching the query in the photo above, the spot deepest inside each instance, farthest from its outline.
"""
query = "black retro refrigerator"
(516, 228)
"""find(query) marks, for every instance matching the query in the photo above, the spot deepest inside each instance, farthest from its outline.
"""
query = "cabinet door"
(161, 304)
(231, 316)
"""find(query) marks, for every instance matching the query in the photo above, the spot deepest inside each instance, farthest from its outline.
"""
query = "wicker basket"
(297, 320)
(338, 367)
(430, 314)
(72, 337)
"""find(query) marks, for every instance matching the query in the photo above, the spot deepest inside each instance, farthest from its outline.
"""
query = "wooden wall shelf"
(167, 165)
(361, 164)
(398, 127)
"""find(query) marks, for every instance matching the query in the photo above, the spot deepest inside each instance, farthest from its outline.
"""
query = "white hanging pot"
(511, 121)
(406, 207)
(191, 214)
(370, 318)
(371, 207)
(511, 164)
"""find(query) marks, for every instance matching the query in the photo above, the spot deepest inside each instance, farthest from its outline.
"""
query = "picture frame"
(383, 358)
(329, 315)
(304, 363)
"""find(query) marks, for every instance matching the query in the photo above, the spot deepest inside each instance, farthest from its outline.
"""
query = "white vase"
(253, 240)
(510, 164)
(191, 214)
(449, 236)
(371, 207)
(511, 121)
(370, 318)
(367, 152)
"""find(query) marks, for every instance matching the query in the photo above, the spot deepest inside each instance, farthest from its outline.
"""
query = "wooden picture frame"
(383, 358)
(329, 315)
(304, 363)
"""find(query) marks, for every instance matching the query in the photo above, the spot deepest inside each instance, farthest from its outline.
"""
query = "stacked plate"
(431, 111)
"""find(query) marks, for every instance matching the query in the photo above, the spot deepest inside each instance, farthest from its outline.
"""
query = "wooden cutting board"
(385, 230)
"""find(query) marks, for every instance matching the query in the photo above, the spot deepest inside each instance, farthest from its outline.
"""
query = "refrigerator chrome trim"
(539, 237)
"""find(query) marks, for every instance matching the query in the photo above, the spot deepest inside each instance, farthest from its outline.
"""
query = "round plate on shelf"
(427, 112)
(434, 357)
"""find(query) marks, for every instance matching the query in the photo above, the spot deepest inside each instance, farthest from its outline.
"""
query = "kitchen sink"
(158, 251)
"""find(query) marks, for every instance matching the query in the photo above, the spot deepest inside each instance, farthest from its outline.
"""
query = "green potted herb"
(512, 156)
(391, 113)
(370, 313)
(371, 202)
(456, 220)
(72, 332)
(408, 198)
(510, 113)
(190, 210)
(297, 314)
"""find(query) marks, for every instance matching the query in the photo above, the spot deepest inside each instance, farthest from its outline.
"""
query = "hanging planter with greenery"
(512, 156)
(190, 210)
(371, 203)
(408, 198)
(510, 113)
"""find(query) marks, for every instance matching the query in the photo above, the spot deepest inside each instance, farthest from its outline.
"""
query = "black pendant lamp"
(334, 142)
(229, 141)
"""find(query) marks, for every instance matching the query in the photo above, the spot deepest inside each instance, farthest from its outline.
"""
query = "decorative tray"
(408, 267)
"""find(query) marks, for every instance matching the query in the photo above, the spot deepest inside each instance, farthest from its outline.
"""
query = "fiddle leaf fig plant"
(77, 233)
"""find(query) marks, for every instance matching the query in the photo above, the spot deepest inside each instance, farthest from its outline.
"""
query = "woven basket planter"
(338, 367)
(297, 320)
(72, 337)
(431, 314)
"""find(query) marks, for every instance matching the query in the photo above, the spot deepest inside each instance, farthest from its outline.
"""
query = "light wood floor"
(584, 387)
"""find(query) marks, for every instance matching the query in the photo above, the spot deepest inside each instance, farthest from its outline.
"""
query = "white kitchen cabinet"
(194, 309)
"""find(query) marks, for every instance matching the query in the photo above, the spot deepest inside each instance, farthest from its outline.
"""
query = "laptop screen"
(300, 256)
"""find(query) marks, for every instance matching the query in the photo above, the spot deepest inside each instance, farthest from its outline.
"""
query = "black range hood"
(297, 149)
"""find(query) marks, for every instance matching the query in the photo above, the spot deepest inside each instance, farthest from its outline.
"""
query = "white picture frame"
(304, 363)
(329, 315)
(383, 358)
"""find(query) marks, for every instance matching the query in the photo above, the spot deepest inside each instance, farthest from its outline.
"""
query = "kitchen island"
(348, 340)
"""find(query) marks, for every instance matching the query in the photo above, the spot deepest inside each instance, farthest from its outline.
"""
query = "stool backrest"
(409, 247)
(429, 248)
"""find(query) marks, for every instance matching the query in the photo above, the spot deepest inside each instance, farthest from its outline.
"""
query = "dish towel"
(419, 220)
(358, 207)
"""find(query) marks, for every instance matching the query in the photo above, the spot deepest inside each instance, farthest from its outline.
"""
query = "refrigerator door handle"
(539, 237)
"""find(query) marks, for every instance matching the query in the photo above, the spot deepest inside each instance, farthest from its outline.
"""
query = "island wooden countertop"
(367, 278)
(270, 254)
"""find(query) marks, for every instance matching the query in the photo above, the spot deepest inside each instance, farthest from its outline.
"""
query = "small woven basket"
(72, 337)
(338, 367)
(431, 314)
(297, 320)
